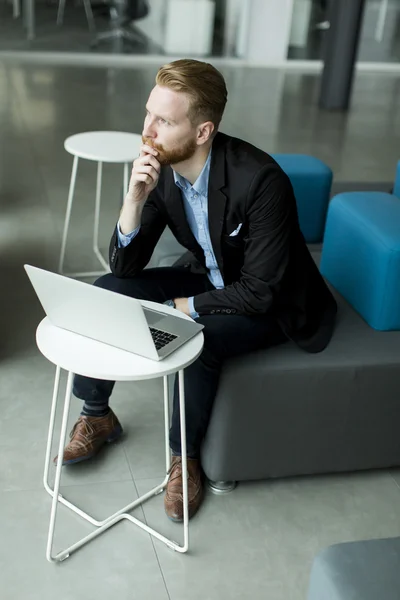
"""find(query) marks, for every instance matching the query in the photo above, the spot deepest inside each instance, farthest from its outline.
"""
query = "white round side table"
(101, 147)
(78, 354)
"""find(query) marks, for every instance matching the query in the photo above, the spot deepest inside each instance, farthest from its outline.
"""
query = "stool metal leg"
(123, 512)
(125, 179)
(68, 213)
(96, 249)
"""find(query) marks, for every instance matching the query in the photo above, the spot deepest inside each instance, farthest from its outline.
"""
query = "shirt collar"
(201, 184)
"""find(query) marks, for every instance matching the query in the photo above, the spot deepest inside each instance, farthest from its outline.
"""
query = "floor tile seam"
(150, 536)
(135, 486)
(70, 485)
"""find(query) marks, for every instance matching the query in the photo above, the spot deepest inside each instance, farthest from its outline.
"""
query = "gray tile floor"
(257, 542)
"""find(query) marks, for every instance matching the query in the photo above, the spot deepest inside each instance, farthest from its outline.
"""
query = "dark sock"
(189, 454)
(95, 409)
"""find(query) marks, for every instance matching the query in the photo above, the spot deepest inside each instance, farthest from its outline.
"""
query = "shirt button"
(196, 196)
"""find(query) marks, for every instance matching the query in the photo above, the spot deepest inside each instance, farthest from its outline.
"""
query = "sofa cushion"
(361, 255)
(366, 570)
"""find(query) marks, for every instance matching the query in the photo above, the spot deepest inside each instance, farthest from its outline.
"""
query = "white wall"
(268, 30)
(180, 27)
(154, 24)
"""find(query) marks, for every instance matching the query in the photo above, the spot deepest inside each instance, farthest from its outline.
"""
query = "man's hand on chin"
(182, 304)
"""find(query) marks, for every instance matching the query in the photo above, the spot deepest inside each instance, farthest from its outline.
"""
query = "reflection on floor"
(257, 542)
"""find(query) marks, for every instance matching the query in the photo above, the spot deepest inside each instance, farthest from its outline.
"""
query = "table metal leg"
(166, 421)
(46, 484)
(68, 213)
(54, 503)
(185, 546)
(123, 512)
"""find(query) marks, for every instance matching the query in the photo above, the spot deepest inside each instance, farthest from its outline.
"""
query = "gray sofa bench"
(282, 411)
(366, 570)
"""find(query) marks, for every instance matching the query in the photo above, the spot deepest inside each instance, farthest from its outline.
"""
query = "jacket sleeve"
(271, 216)
(130, 260)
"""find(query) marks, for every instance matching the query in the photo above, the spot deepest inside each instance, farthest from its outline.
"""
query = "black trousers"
(225, 336)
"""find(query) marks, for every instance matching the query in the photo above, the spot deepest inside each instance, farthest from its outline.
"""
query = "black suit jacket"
(266, 268)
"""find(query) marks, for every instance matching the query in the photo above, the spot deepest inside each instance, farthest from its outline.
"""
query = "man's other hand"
(182, 304)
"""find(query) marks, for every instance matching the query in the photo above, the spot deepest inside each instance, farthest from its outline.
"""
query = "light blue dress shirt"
(195, 201)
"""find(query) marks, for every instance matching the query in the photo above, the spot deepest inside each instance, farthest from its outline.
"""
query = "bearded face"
(173, 154)
(167, 127)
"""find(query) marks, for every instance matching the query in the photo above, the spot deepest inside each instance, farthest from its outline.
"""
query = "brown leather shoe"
(88, 435)
(173, 499)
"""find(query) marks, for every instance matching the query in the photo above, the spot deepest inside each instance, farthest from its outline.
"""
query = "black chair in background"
(122, 13)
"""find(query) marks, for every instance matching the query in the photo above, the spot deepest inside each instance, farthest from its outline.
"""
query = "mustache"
(152, 144)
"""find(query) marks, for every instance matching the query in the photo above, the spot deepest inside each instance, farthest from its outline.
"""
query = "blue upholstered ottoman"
(366, 570)
(396, 189)
(361, 255)
(311, 180)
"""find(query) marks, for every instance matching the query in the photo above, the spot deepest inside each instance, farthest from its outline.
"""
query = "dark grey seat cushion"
(282, 411)
(367, 570)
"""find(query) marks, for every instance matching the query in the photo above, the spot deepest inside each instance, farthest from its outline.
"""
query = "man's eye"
(161, 120)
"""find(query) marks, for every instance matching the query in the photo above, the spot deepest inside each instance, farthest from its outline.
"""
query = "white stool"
(102, 147)
(77, 354)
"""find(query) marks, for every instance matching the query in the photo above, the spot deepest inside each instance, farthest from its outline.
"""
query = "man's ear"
(204, 132)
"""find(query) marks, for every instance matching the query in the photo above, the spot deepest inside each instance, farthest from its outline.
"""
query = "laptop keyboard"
(161, 338)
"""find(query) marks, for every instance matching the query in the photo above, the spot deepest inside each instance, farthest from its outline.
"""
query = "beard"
(172, 156)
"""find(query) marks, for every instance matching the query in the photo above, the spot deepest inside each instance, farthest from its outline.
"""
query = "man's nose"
(149, 130)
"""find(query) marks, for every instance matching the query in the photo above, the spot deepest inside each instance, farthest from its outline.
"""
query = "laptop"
(110, 317)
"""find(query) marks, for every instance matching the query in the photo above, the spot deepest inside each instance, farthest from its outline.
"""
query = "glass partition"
(380, 34)
(175, 27)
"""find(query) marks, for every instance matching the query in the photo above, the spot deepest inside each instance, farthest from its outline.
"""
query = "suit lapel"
(216, 198)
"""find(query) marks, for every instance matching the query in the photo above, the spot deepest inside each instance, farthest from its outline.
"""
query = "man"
(232, 206)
